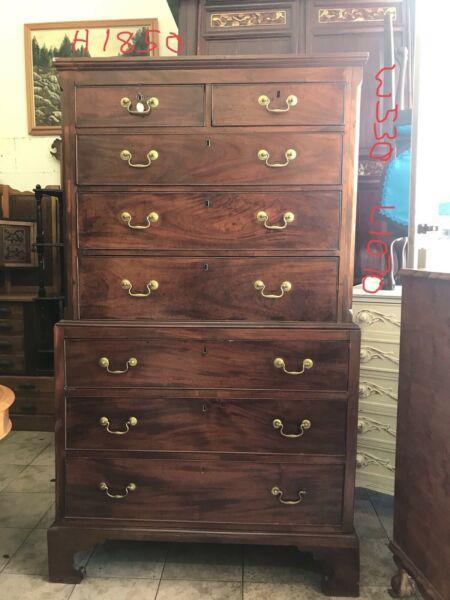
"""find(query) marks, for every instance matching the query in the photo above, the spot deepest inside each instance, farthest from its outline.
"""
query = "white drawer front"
(378, 387)
(375, 466)
(378, 319)
(380, 355)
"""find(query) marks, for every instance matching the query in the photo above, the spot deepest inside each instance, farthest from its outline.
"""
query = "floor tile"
(128, 559)
(34, 478)
(20, 450)
(47, 519)
(377, 566)
(42, 437)
(263, 564)
(31, 558)
(216, 562)
(199, 590)
(27, 587)
(367, 523)
(280, 591)
(115, 589)
(23, 509)
(372, 593)
(46, 457)
(10, 541)
(8, 473)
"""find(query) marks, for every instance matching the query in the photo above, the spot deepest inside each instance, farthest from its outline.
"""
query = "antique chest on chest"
(207, 373)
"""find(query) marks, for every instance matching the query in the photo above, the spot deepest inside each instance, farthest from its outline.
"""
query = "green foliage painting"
(89, 39)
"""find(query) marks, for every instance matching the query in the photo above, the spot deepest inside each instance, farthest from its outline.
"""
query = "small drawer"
(202, 358)
(34, 405)
(11, 344)
(210, 220)
(247, 289)
(219, 159)
(10, 310)
(140, 106)
(12, 363)
(207, 491)
(26, 387)
(307, 425)
(11, 327)
(279, 104)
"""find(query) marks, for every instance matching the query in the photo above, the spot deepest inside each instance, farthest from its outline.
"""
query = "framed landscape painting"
(44, 41)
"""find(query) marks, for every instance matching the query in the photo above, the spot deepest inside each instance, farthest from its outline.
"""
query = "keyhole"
(140, 105)
(205, 266)
(204, 408)
(208, 143)
(204, 350)
(207, 203)
(278, 94)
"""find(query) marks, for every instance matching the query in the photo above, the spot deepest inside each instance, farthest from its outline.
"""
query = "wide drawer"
(213, 221)
(278, 104)
(140, 106)
(200, 358)
(204, 491)
(304, 289)
(309, 425)
(221, 159)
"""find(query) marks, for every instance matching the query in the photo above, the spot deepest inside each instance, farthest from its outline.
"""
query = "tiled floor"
(149, 571)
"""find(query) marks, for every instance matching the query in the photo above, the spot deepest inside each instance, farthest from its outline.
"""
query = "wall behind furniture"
(26, 160)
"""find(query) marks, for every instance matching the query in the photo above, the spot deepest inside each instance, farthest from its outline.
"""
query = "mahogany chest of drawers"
(207, 371)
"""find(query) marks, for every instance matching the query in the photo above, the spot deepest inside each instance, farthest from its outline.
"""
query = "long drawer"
(133, 287)
(204, 491)
(140, 106)
(306, 425)
(278, 104)
(204, 359)
(209, 220)
(221, 159)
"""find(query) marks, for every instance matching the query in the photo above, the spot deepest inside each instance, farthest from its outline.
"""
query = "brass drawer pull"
(132, 422)
(126, 217)
(304, 426)
(152, 155)
(263, 217)
(104, 363)
(264, 100)
(280, 364)
(264, 155)
(131, 487)
(277, 492)
(285, 287)
(140, 106)
(151, 287)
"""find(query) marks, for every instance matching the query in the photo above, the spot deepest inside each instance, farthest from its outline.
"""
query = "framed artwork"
(44, 41)
(16, 243)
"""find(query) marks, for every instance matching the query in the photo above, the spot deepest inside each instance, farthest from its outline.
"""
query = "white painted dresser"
(378, 315)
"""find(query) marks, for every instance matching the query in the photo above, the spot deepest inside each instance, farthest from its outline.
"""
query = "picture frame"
(16, 243)
(43, 41)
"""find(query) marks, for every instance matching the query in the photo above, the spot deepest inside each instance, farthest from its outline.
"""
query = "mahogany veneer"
(192, 402)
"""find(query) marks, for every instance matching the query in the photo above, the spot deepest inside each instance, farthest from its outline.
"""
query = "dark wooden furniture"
(207, 374)
(421, 542)
(299, 26)
(26, 316)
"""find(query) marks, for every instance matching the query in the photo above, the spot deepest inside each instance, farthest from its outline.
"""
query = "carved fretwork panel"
(248, 19)
(356, 15)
